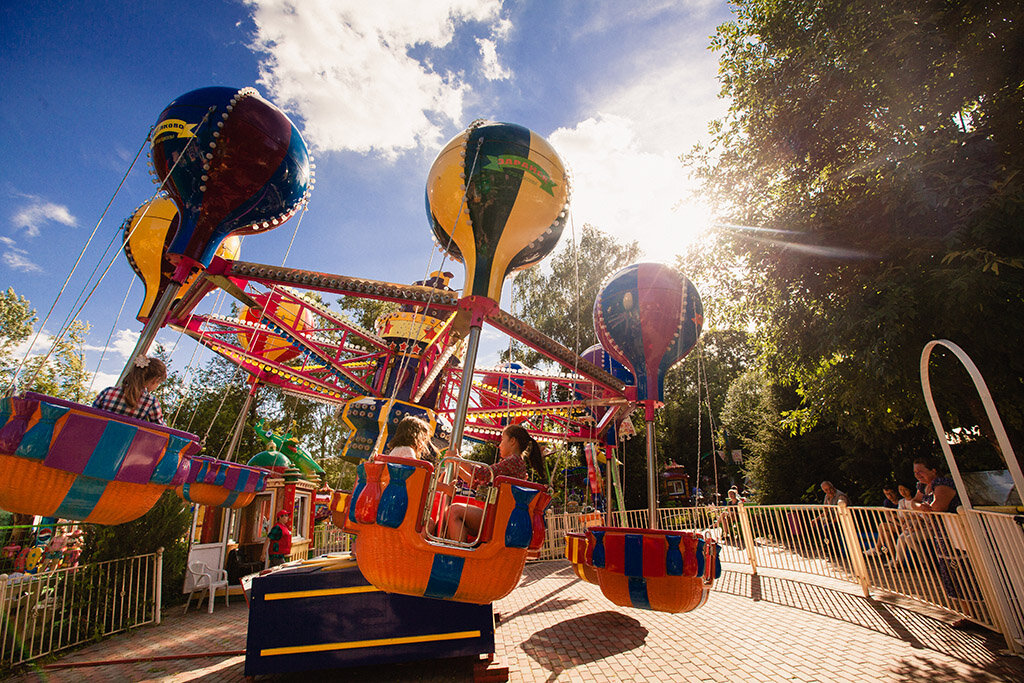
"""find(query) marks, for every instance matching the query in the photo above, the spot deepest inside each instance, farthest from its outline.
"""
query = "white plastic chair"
(204, 578)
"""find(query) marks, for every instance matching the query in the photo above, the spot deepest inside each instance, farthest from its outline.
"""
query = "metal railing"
(1001, 537)
(330, 539)
(51, 611)
(935, 558)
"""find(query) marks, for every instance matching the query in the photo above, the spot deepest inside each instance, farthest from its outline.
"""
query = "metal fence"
(935, 558)
(54, 610)
(330, 539)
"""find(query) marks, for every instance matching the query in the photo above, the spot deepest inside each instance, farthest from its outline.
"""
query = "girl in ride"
(411, 439)
(516, 448)
(133, 397)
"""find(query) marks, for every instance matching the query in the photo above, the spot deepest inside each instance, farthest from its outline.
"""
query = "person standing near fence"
(910, 527)
(937, 493)
(825, 521)
(888, 528)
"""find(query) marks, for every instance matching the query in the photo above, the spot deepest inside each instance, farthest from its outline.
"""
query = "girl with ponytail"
(133, 397)
(517, 448)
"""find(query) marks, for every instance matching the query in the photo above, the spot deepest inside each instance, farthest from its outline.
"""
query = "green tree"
(560, 302)
(60, 373)
(868, 181)
(17, 318)
(63, 374)
(688, 424)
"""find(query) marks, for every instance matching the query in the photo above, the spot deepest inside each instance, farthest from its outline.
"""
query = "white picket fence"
(971, 563)
(54, 610)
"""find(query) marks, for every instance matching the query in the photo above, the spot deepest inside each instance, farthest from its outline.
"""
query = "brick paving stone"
(557, 628)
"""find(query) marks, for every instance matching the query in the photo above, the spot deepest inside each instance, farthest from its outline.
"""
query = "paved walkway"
(771, 627)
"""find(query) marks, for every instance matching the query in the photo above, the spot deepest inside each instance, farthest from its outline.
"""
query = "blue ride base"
(322, 614)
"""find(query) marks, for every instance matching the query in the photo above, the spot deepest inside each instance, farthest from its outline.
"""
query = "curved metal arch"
(1005, 448)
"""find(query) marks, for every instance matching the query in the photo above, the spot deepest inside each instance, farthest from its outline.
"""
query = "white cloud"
(124, 342)
(17, 259)
(344, 65)
(626, 191)
(31, 218)
(492, 69)
(627, 176)
(102, 380)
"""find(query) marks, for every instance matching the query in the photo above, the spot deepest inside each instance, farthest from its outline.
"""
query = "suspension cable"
(21, 365)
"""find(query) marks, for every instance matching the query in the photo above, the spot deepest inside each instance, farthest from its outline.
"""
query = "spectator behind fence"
(730, 515)
(888, 528)
(832, 497)
(825, 521)
(911, 533)
(890, 499)
(937, 493)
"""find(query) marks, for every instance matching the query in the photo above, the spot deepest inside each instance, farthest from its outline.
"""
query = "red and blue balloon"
(648, 317)
(233, 163)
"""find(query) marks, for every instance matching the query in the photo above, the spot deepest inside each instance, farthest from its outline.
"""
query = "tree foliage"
(59, 373)
(17, 319)
(868, 181)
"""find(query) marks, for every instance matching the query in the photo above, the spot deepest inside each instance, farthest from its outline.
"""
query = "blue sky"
(620, 89)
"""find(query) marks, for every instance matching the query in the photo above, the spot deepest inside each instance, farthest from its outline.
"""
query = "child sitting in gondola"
(411, 439)
(134, 398)
(516, 448)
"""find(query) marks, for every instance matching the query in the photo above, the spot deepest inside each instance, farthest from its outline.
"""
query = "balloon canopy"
(648, 317)
(232, 162)
(147, 234)
(497, 199)
(602, 359)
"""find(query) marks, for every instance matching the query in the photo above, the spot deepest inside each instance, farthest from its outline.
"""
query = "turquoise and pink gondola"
(67, 460)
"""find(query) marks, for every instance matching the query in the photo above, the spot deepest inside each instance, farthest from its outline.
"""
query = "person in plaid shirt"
(133, 397)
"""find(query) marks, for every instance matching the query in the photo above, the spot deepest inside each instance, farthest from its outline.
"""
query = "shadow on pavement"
(977, 647)
(558, 647)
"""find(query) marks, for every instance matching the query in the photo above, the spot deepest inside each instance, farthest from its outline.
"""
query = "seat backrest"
(198, 568)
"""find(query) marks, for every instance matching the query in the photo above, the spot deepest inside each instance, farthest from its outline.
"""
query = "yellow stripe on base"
(289, 595)
(355, 644)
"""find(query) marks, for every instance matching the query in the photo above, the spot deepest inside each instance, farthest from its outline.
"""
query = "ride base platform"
(322, 614)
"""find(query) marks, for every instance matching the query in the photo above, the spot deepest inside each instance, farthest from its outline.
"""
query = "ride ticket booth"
(233, 539)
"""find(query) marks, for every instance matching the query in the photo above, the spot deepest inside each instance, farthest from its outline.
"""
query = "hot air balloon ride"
(648, 317)
(497, 198)
(234, 164)
(147, 234)
(231, 164)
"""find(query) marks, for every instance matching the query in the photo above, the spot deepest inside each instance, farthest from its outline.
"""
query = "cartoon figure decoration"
(497, 200)
(283, 451)
(232, 162)
(648, 317)
(147, 234)
(279, 539)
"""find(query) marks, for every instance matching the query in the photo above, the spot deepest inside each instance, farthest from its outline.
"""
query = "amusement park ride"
(229, 163)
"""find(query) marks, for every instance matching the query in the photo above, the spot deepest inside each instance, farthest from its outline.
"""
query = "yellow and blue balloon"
(497, 199)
